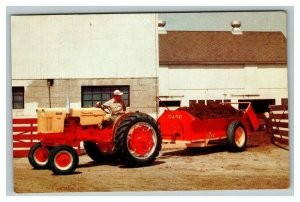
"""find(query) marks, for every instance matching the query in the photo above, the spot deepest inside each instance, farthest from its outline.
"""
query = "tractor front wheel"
(38, 156)
(63, 160)
(236, 136)
(138, 140)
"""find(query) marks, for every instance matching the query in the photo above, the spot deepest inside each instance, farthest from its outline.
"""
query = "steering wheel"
(105, 108)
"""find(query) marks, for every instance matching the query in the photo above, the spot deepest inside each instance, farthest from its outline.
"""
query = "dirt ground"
(261, 166)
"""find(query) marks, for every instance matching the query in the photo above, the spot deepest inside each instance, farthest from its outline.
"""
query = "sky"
(220, 21)
(202, 18)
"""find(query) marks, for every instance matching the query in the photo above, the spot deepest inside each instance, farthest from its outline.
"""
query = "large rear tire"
(63, 160)
(94, 152)
(138, 140)
(38, 156)
(236, 136)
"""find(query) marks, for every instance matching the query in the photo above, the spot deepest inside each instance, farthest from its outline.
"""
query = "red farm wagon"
(231, 128)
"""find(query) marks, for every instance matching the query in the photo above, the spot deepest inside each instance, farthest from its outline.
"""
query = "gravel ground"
(261, 166)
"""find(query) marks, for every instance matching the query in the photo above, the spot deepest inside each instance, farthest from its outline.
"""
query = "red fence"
(278, 125)
(24, 135)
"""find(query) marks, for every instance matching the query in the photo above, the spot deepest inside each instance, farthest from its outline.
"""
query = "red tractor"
(134, 138)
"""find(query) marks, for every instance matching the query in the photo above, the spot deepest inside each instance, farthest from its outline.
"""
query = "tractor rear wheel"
(63, 160)
(94, 152)
(236, 136)
(38, 156)
(138, 140)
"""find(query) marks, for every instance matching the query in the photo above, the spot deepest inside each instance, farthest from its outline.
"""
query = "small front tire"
(63, 160)
(38, 156)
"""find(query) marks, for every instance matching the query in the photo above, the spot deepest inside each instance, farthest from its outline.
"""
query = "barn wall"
(84, 46)
(234, 82)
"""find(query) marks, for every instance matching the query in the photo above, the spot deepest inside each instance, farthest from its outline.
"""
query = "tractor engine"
(52, 120)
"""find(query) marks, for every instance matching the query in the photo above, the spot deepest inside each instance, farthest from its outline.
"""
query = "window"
(210, 102)
(92, 94)
(260, 106)
(192, 103)
(284, 101)
(169, 103)
(18, 97)
(201, 101)
(218, 101)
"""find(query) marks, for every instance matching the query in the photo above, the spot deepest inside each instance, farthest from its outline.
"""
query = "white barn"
(197, 66)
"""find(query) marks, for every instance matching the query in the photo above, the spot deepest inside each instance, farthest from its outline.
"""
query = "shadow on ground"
(194, 151)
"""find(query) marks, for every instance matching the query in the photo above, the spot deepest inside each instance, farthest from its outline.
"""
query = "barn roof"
(220, 47)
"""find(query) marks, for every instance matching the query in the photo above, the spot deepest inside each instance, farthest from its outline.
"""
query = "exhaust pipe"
(68, 106)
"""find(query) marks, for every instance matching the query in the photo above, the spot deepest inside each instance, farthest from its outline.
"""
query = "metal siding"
(224, 82)
(195, 77)
(83, 46)
(272, 76)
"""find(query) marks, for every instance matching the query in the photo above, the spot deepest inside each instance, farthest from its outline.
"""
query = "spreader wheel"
(138, 140)
(236, 136)
(63, 160)
(38, 156)
(95, 152)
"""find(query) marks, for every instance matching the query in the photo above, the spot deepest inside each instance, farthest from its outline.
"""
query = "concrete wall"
(233, 82)
(143, 93)
(84, 46)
